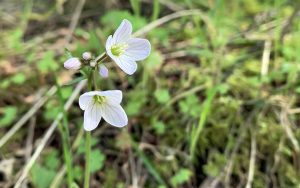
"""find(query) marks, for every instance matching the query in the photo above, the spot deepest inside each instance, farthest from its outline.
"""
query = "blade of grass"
(135, 4)
(156, 10)
(150, 167)
(203, 116)
(65, 136)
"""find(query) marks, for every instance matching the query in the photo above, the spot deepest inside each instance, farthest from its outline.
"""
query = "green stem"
(87, 159)
(65, 135)
(88, 144)
(67, 155)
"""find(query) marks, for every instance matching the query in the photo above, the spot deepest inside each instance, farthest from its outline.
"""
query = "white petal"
(85, 100)
(92, 117)
(109, 43)
(128, 65)
(123, 33)
(114, 115)
(138, 49)
(114, 97)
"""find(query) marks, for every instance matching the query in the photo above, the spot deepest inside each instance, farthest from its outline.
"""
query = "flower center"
(99, 99)
(118, 49)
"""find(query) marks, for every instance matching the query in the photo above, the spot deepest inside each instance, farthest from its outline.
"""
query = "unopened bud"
(92, 63)
(72, 63)
(87, 56)
(103, 71)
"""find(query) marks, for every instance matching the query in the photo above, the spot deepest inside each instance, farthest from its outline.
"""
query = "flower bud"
(87, 56)
(72, 63)
(103, 71)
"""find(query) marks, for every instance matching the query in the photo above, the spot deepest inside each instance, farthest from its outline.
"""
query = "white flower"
(106, 104)
(72, 63)
(103, 71)
(125, 50)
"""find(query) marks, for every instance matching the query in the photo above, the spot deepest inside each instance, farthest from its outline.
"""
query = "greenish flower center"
(99, 99)
(118, 49)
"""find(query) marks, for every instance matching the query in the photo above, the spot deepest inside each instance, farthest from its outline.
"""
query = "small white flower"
(103, 71)
(106, 104)
(125, 50)
(72, 63)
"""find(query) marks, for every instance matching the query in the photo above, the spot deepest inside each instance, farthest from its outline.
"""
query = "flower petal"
(92, 117)
(138, 49)
(109, 43)
(128, 65)
(85, 100)
(114, 97)
(114, 115)
(123, 33)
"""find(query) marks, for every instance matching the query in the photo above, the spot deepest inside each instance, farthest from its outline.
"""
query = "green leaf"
(18, 78)
(78, 173)
(52, 160)
(181, 177)
(75, 81)
(68, 54)
(190, 106)
(9, 114)
(159, 126)
(154, 61)
(41, 176)
(47, 63)
(97, 160)
(135, 102)
(162, 95)
(66, 92)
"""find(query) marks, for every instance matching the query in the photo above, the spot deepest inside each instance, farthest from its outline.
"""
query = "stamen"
(99, 99)
(118, 49)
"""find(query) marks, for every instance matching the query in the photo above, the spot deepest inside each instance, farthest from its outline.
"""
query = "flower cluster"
(125, 51)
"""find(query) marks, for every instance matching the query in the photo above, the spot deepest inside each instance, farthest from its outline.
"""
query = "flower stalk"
(65, 135)
(88, 143)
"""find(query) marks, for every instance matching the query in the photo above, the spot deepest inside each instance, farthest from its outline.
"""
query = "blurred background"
(216, 104)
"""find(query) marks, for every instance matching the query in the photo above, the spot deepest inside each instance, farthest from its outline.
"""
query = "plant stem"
(65, 135)
(100, 57)
(88, 144)
(87, 159)
(67, 154)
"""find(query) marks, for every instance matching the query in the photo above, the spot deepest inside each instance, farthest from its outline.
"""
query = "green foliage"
(162, 95)
(47, 63)
(8, 115)
(43, 174)
(52, 109)
(182, 176)
(190, 106)
(113, 18)
(97, 160)
(136, 102)
(215, 164)
(18, 78)
(158, 126)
